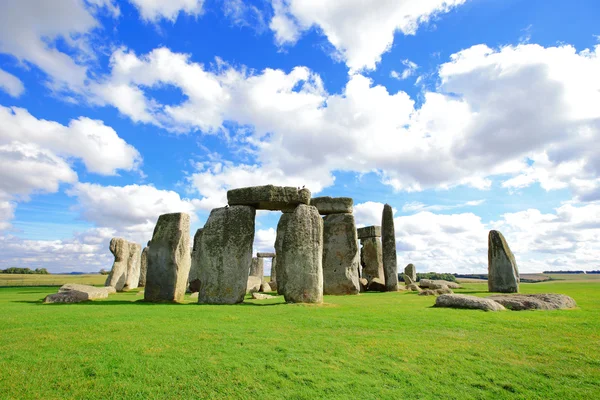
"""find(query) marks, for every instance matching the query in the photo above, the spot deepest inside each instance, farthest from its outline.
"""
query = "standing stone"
(281, 231)
(301, 256)
(133, 266)
(143, 266)
(503, 274)
(194, 278)
(410, 274)
(340, 255)
(388, 244)
(274, 269)
(257, 267)
(371, 258)
(225, 255)
(118, 274)
(168, 259)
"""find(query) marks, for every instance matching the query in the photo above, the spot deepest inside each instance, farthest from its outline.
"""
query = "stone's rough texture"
(503, 274)
(194, 277)
(257, 267)
(225, 255)
(333, 205)
(118, 274)
(274, 269)
(301, 256)
(466, 301)
(437, 284)
(410, 272)
(545, 301)
(435, 292)
(265, 255)
(168, 259)
(260, 296)
(133, 266)
(110, 289)
(282, 226)
(363, 284)
(67, 297)
(369, 232)
(265, 287)
(414, 287)
(253, 284)
(388, 245)
(340, 255)
(143, 267)
(371, 259)
(92, 292)
(376, 285)
(269, 197)
(273, 286)
(409, 280)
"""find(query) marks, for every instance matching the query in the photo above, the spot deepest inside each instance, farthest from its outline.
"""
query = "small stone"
(269, 197)
(261, 296)
(333, 205)
(466, 301)
(437, 284)
(410, 272)
(369, 232)
(265, 287)
(254, 284)
(503, 274)
(273, 285)
(414, 287)
(376, 285)
(363, 284)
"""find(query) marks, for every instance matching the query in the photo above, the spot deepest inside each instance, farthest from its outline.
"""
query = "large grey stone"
(194, 278)
(92, 292)
(133, 266)
(265, 287)
(376, 285)
(437, 284)
(410, 274)
(253, 284)
(257, 267)
(333, 205)
(118, 274)
(269, 197)
(225, 255)
(168, 259)
(261, 296)
(371, 258)
(301, 256)
(340, 255)
(503, 274)
(466, 301)
(282, 226)
(143, 266)
(369, 232)
(543, 301)
(67, 297)
(388, 244)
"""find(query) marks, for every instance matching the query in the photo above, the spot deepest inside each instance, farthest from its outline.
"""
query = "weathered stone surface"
(410, 273)
(67, 297)
(143, 266)
(265, 255)
(414, 287)
(194, 277)
(369, 232)
(118, 274)
(371, 259)
(333, 205)
(340, 255)
(133, 266)
(282, 227)
(253, 284)
(435, 292)
(261, 296)
(437, 284)
(376, 285)
(274, 269)
(225, 255)
(466, 301)
(273, 285)
(503, 274)
(110, 289)
(544, 301)
(265, 287)
(168, 259)
(92, 292)
(301, 256)
(363, 284)
(388, 245)
(257, 267)
(269, 197)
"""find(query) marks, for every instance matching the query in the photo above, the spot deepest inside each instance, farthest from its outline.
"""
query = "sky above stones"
(464, 115)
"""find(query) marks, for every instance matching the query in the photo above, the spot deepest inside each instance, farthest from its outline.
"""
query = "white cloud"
(360, 31)
(410, 70)
(155, 10)
(11, 84)
(244, 14)
(7, 213)
(417, 206)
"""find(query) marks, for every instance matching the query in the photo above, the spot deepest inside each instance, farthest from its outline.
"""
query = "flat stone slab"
(269, 197)
(369, 232)
(435, 292)
(261, 296)
(67, 297)
(265, 255)
(92, 292)
(544, 301)
(437, 284)
(333, 205)
(466, 301)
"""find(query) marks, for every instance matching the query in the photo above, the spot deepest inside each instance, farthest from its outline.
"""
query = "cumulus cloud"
(155, 10)
(417, 206)
(11, 84)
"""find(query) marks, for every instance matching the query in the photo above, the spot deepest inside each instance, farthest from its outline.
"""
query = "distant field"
(50, 279)
(371, 346)
(543, 277)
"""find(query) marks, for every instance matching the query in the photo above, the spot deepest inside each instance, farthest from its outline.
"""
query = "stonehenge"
(269, 197)
(503, 274)
(371, 253)
(410, 274)
(193, 279)
(388, 243)
(133, 267)
(143, 266)
(340, 255)
(125, 272)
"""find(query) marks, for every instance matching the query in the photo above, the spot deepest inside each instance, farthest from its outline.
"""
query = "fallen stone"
(388, 246)
(282, 226)
(67, 297)
(92, 292)
(253, 285)
(410, 272)
(262, 296)
(369, 232)
(168, 259)
(269, 197)
(503, 274)
(363, 284)
(333, 205)
(371, 259)
(340, 255)
(265, 287)
(466, 301)
(257, 267)
(194, 277)
(545, 301)
(414, 287)
(110, 289)
(435, 292)
(225, 255)
(133, 267)
(301, 256)
(143, 266)
(437, 284)
(118, 274)
(265, 255)
(376, 285)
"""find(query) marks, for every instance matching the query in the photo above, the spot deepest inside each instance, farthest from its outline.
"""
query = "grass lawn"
(50, 279)
(372, 346)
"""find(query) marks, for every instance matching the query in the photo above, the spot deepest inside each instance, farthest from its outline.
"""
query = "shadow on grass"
(139, 302)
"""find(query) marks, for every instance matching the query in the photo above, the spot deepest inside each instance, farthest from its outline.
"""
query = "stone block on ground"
(503, 274)
(67, 297)
(414, 287)
(388, 248)
(333, 205)
(376, 285)
(543, 301)
(369, 232)
(437, 284)
(269, 197)
(340, 255)
(265, 287)
(92, 292)
(273, 286)
(119, 247)
(262, 296)
(466, 301)
(254, 284)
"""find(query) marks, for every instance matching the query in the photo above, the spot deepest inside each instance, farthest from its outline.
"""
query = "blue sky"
(464, 115)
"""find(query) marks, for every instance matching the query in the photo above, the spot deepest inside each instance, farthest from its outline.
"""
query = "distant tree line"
(431, 275)
(14, 270)
(103, 272)
(573, 272)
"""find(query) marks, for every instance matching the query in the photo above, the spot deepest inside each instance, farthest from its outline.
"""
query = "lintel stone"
(369, 232)
(333, 205)
(269, 197)
(265, 255)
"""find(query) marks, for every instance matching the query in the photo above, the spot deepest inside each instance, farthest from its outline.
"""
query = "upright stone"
(503, 274)
(257, 267)
(274, 269)
(168, 259)
(301, 256)
(282, 226)
(225, 255)
(340, 255)
(269, 197)
(143, 266)
(371, 258)
(410, 274)
(133, 266)
(118, 274)
(388, 243)
(194, 278)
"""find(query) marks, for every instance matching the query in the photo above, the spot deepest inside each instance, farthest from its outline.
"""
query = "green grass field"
(372, 346)
(49, 280)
